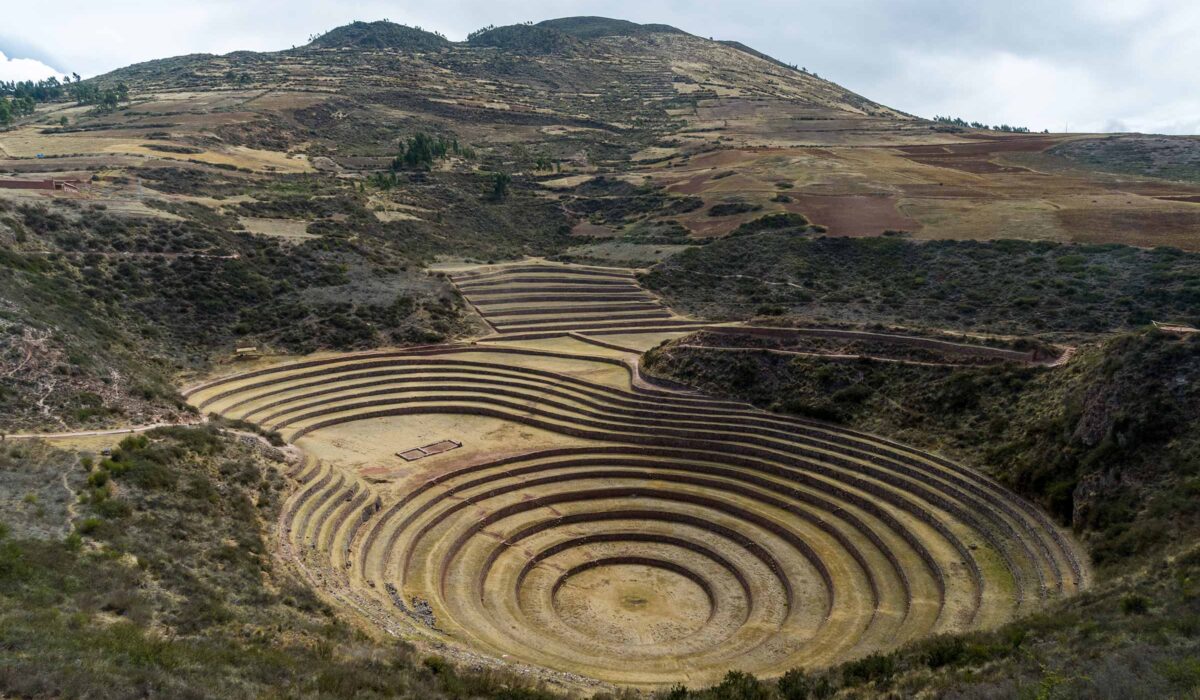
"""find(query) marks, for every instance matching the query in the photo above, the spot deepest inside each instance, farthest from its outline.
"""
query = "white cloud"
(1037, 63)
(24, 69)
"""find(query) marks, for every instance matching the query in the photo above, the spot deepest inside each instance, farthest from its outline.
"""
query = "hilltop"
(379, 35)
(388, 289)
(562, 99)
(595, 27)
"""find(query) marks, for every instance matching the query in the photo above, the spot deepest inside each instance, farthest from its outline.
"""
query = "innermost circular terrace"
(634, 602)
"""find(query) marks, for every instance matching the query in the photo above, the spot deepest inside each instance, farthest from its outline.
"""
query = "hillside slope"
(577, 96)
(368, 190)
(1107, 443)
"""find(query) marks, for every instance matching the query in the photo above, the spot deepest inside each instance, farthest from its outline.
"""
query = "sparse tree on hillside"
(500, 182)
(421, 150)
(480, 31)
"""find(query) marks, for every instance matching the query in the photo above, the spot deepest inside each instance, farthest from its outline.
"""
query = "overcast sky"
(1086, 65)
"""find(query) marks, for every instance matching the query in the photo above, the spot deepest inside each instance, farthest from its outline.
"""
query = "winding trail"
(98, 433)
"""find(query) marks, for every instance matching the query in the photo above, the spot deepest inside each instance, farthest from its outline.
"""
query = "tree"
(109, 100)
(421, 150)
(500, 183)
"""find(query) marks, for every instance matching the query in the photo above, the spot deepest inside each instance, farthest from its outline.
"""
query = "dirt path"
(133, 254)
(94, 433)
(833, 356)
(72, 504)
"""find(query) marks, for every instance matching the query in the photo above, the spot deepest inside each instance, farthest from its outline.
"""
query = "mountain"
(647, 64)
(498, 227)
(712, 119)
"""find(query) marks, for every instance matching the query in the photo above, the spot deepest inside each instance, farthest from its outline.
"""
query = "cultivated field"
(545, 504)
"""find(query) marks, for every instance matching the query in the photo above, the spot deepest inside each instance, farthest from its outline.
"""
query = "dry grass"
(285, 229)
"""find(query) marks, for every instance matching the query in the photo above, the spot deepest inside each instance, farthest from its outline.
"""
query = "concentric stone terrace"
(597, 525)
(545, 299)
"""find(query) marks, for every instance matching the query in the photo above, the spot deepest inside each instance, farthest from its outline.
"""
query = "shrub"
(738, 685)
(1134, 604)
(876, 668)
(500, 182)
(813, 410)
(796, 685)
(856, 393)
(781, 221)
(731, 208)
(114, 508)
(944, 651)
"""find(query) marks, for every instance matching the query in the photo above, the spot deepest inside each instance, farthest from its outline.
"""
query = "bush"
(1134, 604)
(114, 508)
(738, 685)
(782, 221)
(944, 651)
(876, 668)
(796, 685)
(731, 208)
(854, 394)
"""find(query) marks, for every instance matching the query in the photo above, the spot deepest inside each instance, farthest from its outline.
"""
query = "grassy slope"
(1171, 158)
(997, 287)
(131, 305)
(166, 588)
(1109, 443)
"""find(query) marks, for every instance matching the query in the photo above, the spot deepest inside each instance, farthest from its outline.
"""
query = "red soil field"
(853, 215)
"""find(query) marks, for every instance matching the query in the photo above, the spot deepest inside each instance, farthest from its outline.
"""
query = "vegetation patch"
(169, 590)
(1015, 287)
(1136, 154)
(1107, 443)
(773, 222)
(731, 208)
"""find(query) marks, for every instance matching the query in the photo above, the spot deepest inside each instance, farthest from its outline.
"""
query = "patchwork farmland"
(555, 508)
